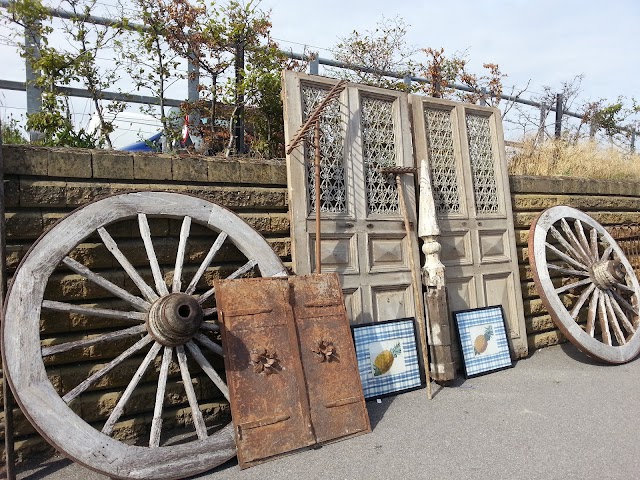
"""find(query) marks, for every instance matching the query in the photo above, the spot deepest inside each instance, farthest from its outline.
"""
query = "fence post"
(558, 132)
(34, 94)
(407, 82)
(314, 66)
(193, 79)
(483, 97)
(239, 116)
(633, 141)
(543, 117)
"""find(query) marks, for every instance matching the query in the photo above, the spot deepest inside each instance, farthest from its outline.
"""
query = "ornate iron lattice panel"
(379, 150)
(482, 166)
(332, 176)
(446, 192)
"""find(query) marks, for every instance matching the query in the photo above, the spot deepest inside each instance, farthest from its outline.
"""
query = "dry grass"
(585, 159)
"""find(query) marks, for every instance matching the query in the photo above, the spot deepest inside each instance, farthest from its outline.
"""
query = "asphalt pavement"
(555, 415)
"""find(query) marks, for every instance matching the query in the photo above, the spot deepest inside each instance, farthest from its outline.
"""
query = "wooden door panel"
(339, 253)
(353, 303)
(493, 246)
(456, 248)
(388, 253)
(461, 291)
(390, 302)
(363, 131)
(498, 289)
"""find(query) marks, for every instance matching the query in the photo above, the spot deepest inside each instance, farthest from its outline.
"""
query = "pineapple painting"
(386, 358)
(481, 341)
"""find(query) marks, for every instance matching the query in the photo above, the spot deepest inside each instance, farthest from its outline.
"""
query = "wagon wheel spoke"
(196, 414)
(112, 246)
(621, 315)
(607, 253)
(207, 368)
(93, 311)
(156, 423)
(580, 302)
(566, 258)
(594, 242)
(206, 262)
(625, 288)
(211, 327)
(182, 245)
(570, 249)
(573, 285)
(591, 315)
(110, 287)
(567, 271)
(623, 303)
(145, 232)
(584, 243)
(87, 342)
(604, 321)
(241, 271)
(573, 240)
(119, 408)
(208, 343)
(613, 321)
(107, 368)
(596, 270)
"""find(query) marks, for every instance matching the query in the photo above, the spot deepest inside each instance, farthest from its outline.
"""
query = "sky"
(536, 43)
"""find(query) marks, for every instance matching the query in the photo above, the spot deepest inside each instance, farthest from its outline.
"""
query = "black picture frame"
(483, 341)
(388, 356)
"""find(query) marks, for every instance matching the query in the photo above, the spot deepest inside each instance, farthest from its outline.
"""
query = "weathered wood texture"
(44, 185)
(609, 203)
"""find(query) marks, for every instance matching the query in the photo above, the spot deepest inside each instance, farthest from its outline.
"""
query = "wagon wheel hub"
(606, 273)
(174, 319)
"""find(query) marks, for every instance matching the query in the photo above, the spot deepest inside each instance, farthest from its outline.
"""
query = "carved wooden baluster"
(438, 329)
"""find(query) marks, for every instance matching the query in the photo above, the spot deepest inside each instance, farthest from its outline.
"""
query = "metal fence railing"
(314, 64)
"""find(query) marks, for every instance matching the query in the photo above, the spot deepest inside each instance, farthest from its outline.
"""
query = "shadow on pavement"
(575, 354)
(43, 470)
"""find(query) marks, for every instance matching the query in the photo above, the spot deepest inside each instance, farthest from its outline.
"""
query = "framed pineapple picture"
(387, 355)
(483, 340)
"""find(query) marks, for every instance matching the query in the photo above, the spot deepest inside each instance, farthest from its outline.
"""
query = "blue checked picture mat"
(400, 330)
(495, 359)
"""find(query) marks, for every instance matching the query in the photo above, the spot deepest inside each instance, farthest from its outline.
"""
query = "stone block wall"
(43, 185)
(609, 203)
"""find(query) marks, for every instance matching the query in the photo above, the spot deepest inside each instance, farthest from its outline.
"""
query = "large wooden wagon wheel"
(596, 305)
(164, 320)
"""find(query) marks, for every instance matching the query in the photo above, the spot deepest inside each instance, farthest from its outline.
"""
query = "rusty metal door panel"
(264, 374)
(336, 401)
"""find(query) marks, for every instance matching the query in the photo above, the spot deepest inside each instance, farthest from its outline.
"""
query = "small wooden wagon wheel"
(164, 320)
(596, 305)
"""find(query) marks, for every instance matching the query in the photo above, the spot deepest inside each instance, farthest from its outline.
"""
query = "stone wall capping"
(112, 164)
